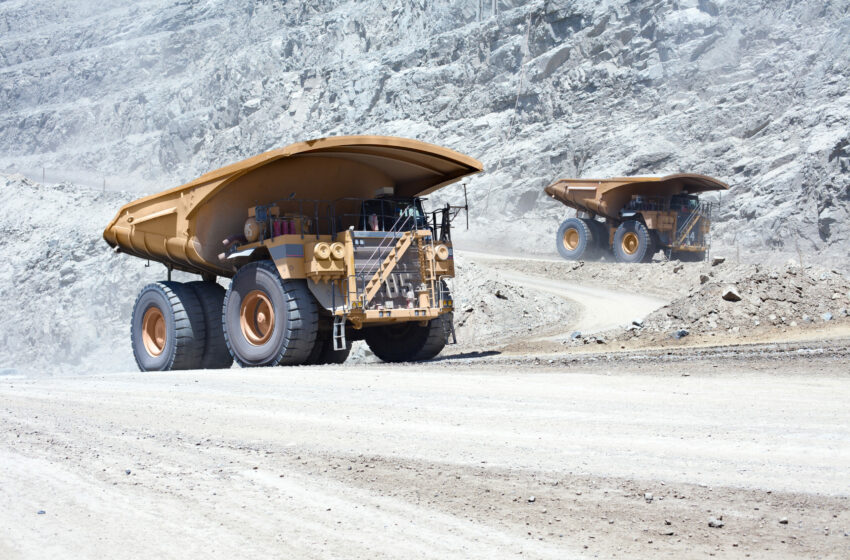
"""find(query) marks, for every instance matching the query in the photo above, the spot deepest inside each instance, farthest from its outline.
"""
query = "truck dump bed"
(184, 227)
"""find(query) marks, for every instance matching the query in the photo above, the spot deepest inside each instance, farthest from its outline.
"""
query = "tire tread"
(211, 295)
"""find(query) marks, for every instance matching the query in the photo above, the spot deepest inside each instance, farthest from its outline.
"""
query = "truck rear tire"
(167, 329)
(574, 239)
(633, 242)
(323, 350)
(211, 297)
(269, 321)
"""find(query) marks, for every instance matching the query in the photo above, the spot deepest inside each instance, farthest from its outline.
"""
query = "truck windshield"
(392, 214)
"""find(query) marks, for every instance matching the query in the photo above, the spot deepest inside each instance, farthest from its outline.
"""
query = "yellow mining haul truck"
(326, 242)
(634, 217)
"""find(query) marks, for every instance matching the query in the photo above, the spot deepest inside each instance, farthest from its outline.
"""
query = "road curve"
(599, 309)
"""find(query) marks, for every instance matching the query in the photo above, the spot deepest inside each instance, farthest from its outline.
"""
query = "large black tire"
(258, 297)
(167, 330)
(689, 256)
(574, 240)
(602, 247)
(323, 349)
(211, 297)
(408, 342)
(633, 242)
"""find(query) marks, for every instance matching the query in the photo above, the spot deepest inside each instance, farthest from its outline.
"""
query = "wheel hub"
(630, 243)
(571, 239)
(153, 331)
(256, 318)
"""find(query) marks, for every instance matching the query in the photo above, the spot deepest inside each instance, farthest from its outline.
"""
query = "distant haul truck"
(635, 217)
(326, 241)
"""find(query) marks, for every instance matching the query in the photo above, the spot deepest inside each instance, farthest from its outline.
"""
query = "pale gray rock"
(730, 293)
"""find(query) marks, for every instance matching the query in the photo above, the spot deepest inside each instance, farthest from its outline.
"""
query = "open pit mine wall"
(754, 92)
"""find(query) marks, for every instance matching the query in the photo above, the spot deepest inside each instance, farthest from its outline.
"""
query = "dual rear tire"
(177, 326)
(262, 320)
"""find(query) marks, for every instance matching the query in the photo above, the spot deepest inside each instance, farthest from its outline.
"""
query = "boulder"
(731, 293)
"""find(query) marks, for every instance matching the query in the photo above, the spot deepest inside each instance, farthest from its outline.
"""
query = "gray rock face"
(146, 96)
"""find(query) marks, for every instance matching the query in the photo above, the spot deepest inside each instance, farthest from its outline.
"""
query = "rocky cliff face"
(755, 92)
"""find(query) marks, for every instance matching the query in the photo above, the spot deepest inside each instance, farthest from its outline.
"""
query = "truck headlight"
(338, 251)
(441, 252)
(322, 251)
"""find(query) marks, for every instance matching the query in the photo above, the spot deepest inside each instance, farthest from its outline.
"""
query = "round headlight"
(322, 251)
(441, 252)
(338, 251)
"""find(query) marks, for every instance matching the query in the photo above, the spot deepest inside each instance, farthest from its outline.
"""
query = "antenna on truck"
(456, 209)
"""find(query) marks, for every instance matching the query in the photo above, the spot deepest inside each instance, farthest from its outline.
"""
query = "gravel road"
(430, 462)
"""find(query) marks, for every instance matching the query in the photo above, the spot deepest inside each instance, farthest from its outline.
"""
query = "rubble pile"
(489, 309)
(747, 298)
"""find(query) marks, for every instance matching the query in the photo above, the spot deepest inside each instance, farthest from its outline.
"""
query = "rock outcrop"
(145, 96)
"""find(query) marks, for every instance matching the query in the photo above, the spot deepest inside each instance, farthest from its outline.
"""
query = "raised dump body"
(327, 241)
(634, 217)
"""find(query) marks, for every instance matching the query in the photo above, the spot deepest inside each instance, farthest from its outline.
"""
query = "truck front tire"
(633, 242)
(323, 350)
(269, 321)
(167, 330)
(408, 342)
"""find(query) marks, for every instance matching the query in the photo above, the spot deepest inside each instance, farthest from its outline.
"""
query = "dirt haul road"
(453, 461)
(599, 309)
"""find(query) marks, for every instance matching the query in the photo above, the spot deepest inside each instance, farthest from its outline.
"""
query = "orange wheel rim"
(256, 317)
(153, 331)
(630, 243)
(571, 239)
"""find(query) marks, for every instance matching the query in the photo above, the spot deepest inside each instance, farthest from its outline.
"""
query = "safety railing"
(373, 263)
(686, 228)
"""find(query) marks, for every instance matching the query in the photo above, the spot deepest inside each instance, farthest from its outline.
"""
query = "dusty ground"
(474, 462)
(523, 446)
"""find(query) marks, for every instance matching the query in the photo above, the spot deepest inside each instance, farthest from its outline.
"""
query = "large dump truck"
(325, 242)
(632, 218)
